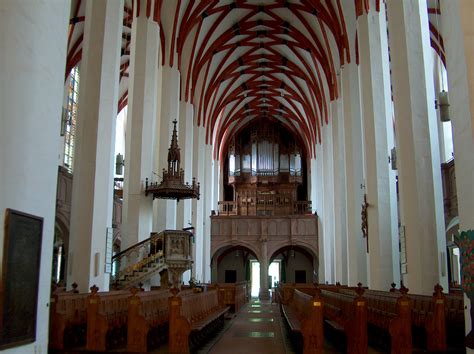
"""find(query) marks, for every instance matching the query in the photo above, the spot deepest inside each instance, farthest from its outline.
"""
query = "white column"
(459, 44)
(207, 195)
(354, 166)
(376, 106)
(264, 291)
(316, 181)
(31, 94)
(215, 184)
(198, 205)
(340, 210)
(220, 168)
(418, 158)
(139, 142)
(92, 192)
(185, 138)
(328, 204)
(164, 211)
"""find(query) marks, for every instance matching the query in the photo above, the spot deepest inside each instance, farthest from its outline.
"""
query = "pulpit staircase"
(169, 249)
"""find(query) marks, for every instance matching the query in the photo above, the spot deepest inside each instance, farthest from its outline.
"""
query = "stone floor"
(257, 328)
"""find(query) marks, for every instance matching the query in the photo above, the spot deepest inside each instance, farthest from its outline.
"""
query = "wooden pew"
(67, 320)
(455, 325)
(348, 312)
(148, 315)
(393, 315)
(190, 315)
(285, 290)
(304, 315)
(233, 295)
(106, 319)
(429, 315)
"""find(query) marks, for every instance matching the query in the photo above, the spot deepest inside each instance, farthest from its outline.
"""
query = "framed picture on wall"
(20, 278)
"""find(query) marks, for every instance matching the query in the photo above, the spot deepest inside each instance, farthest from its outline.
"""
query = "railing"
(302, 207)
(137, 256)
(228, 208)
(264, 205)
(170, 248)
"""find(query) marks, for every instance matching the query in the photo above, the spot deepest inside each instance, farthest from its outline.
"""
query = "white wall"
(31, 94)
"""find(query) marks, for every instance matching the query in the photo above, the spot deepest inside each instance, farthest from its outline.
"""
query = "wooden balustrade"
(264, 205)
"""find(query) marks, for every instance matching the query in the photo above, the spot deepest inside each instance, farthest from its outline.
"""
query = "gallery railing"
(264, 205)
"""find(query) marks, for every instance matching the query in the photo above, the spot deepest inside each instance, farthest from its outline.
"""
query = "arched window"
(69, 118)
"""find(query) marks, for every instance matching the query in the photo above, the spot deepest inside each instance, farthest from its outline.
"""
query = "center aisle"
(256, 328)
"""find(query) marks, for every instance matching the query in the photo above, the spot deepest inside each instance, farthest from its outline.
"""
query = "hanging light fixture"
(119, 163)
(172, 185)
(443, 103)
(443, 99)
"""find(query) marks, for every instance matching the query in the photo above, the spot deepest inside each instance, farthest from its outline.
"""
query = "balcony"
(264, 205)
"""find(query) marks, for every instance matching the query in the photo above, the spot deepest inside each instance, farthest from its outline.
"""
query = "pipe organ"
(265, 168)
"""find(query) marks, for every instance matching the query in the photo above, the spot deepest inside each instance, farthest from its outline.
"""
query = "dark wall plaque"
(20, 278)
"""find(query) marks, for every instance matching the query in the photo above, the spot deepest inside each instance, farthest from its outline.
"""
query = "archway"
(231, 264)
(298, 264)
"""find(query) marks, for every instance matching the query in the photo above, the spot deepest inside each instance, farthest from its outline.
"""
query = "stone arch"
(231, 263)
(299, 263)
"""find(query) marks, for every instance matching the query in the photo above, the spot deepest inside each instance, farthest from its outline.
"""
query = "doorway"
(273, 276)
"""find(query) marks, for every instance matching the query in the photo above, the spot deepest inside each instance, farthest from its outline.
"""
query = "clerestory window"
(70, 117)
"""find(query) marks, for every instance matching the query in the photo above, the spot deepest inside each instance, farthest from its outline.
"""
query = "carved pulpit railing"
(169, 249)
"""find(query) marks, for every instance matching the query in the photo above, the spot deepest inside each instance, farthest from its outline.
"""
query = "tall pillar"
(328, 203)
(317, 207)
(92, 191)
(216, 185)
(164, 211)
(376, 106)
(32, 72)
(198, 205)
(207, 195)
(418, 156)
(263, 293)
(139, 142)
(459, 43)
(340, 210)
(186, 127)
(354, 166)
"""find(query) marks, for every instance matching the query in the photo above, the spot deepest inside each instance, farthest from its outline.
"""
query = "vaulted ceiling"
(245, 59)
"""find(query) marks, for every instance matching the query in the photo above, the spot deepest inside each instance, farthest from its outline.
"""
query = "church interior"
(255, 174)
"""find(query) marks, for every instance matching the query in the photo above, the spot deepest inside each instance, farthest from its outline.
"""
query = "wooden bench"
(148, 315)
(348, 313)
(192, 317)
(285, 290)
(304, 316)
(67, 320)
(392, 315)
(429, 315)
(106, 319)
(233, 295)
(455, 325)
